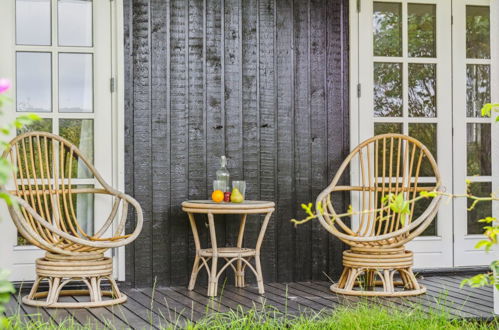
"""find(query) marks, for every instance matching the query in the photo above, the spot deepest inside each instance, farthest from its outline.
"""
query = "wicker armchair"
(45, 215)
(387, 164)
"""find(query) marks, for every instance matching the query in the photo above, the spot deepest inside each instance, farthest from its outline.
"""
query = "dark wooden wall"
(264, 82)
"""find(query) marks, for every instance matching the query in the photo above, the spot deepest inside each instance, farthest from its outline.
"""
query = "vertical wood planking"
(160, 140)
(179, 149)
(264, 82)
(215, 134)
(233, 102)
(285, 140)
(336, 129)
(196, 112)
(318, 117)
(250, 114)
(268, 127)
(129, 145)
(142, 138)
(302, 156)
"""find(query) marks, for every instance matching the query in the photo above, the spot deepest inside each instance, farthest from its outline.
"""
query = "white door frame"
(360, 127)
(465, 253)
(107, 125)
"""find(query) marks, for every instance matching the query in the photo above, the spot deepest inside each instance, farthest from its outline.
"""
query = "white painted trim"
(108, 125)
(361, 123)
(118, 71)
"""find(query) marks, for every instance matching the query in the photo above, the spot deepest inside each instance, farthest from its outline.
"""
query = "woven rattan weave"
(387, 164)
(45, 215)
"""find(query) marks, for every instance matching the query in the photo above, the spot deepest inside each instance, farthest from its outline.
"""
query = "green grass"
(361, 316)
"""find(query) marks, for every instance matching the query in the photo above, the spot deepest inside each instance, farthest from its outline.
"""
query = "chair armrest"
(95, 244)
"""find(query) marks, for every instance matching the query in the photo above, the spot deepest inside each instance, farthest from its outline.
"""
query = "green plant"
(398, 204)
(6, 288)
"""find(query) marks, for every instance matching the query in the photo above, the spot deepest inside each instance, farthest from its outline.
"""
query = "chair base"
(58, 270)
(362, 267)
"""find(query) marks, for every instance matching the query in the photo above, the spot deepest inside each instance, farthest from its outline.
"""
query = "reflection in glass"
(421, 26)
(388, 89)
(34, 82)
(42, 125)
(482, 210)
(33, 22)
(427, 134)
(384, 128)
(385, 147)
(81, 204)
(38, 145)
(421, 206)
(422, 90)
(75, 22)
(387, 29)
(477, 32)
(478, 149)
(75, 82)
(477, 88)
(80, 132)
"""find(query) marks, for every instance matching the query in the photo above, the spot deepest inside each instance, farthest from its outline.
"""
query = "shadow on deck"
(168, 306)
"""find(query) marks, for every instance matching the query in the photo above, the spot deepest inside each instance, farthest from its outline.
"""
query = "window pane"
(426, 134)
(43, 125)
(383, 128)
(421, 30)
(422, 90)
(75, 22)
(34, 82)
(477, 32)
(419, 208)
(477, 88)
(80, 132)
(387, 29)
(481, 210)
(75, 83)
(33, 22)
(388, 89)
(478, 149)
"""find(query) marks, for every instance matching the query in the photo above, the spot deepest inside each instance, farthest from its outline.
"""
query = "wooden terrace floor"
(164, 307)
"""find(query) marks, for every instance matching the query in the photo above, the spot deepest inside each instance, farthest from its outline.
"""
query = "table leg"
(212, 277)
(195, 267)
(239, 283)
(259, 277)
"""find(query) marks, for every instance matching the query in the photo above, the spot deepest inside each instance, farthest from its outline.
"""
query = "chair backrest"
(387, 165)
(45, 168)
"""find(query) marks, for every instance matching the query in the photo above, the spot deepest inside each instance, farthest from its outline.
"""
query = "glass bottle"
(223, 173)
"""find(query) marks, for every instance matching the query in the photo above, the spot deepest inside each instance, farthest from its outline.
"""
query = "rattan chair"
(386, 164)
(45, 215)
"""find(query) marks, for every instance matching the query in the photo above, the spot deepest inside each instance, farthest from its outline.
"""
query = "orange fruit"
(217, 196)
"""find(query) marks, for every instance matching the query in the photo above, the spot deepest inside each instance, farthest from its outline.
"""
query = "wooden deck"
(148, 308)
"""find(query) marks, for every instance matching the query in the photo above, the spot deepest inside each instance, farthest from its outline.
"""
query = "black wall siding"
(264, 82)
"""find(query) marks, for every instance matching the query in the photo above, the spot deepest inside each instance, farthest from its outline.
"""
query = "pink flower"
(4, 85)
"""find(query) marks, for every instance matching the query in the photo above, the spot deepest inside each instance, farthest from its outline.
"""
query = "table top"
(246, 205)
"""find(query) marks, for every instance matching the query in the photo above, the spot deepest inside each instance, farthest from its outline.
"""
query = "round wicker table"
(237, 257)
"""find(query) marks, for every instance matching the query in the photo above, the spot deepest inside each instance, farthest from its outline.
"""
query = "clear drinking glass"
(241, 186)
(219, 185)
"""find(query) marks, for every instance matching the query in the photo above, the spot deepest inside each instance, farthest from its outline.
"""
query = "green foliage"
(489, 108)
(363, 315)
(397, 204)
(487, 279)
(6, 288)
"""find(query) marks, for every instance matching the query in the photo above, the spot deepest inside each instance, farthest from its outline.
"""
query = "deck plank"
(145, 313)
(176, 306)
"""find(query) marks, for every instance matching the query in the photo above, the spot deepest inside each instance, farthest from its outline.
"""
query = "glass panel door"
(475, 137)
(61, 69)
(404, 75)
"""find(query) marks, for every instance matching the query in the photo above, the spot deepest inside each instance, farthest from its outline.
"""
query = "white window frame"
(116, 174)
(356, 119)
